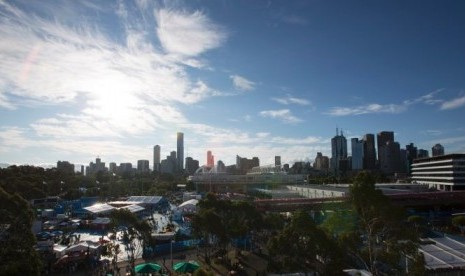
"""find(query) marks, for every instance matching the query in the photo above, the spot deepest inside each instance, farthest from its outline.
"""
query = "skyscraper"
(357, 153)
(180, 151)
(277, 161)
(156, 158)
(369, 152)
(210, 159)
(382, 138)
(338, 152)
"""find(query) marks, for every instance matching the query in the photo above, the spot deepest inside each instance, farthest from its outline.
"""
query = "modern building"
(156, 158)
(143, 166)
(437, 150)
(112, 168)
(244, 164)
(65, 167)
(390, 161)
(191, 165)
(169, 165)
(422, 153)
(339, 153)
(357, 154)
(381, 139)
(180, 151)
(210, 159)
(321, 162)
(444, 172)
(96, 167)
(277, 160)
(369, 152)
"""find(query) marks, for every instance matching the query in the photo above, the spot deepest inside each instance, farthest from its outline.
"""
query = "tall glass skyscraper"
(180, 151)
(338, 152)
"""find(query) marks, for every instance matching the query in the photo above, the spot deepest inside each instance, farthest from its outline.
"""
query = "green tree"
(17, 253)
(302, 246)
(382, 240)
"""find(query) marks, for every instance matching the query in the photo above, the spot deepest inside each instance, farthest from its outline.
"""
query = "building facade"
(180, 151)
(437, 150)
(338, 153)
(444, 172)
(156, 158)
(357, 147)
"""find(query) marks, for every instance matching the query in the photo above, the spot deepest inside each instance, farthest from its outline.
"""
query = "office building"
(191, 165)
(321, 162)
(243, 164)
(369, 152)
(339, 153)
(143, 166)
(65, 167)
(389, 158)
(422, 153)
(277, 161)
(357, 147)
(382, 138)
(210, 159)
(112, 168)
(443, 172)
(180, 151)
(437, 150)
(156, 158)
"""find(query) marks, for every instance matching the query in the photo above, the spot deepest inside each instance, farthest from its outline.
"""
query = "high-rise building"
(437, 150)
(220, 166)
(389, 161)
(277, 161)
(422, 153)
(65, 167)
(243, 164)
(156, 158)
(112, 168)
(143, 165)
(210, 159)
(191, 165)
(180, 151)
(357, 153)
(382, 138)
(321, 162)
(369, 152)
(338, 152)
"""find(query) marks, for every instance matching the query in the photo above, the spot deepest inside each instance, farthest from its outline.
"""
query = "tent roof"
(189, 202)
(99, 208)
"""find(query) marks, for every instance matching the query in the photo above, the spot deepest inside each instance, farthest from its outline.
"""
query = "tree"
(302, 246)
(380, 239)
(136, 233)
(17, 253)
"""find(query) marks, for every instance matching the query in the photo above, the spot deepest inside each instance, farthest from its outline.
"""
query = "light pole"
(171, 251)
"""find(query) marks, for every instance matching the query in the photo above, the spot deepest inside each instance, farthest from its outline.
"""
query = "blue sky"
(80, 79)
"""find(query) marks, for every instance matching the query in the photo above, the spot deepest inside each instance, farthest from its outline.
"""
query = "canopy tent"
(184, 267)
(147, 268)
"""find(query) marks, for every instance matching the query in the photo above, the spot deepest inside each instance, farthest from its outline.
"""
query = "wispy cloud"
(291, 100)
(127, 85)
(373, 108)
(453, 104)
(283, 115)
(242, 83)
(366, 109)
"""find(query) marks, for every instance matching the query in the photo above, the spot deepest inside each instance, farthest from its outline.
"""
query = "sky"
(81, 79)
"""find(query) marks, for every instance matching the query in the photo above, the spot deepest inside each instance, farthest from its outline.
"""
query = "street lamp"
(171, 251)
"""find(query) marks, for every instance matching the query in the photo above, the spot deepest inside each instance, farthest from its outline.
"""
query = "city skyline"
(79, 80)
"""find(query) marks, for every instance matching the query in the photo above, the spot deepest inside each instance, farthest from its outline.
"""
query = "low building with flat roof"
(444, 172)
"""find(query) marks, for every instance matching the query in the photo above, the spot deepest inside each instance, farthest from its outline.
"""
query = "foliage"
(17, 253)
(380, 240)
(136, 232)
(302, 246)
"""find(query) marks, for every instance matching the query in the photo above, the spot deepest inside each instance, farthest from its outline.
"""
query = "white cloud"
(284, 115)
(453, 104)
(291, 100)
(242, 83)
(366, 109)
(128, 87)
(187, 34)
